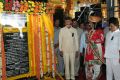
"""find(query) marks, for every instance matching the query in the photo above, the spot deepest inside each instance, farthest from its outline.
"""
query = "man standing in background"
(60, 62)
(79, 32)
(68, 45)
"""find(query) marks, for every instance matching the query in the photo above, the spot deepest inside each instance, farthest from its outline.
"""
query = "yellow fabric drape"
(48, 24)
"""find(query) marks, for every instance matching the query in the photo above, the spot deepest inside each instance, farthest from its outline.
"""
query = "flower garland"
(53, 59)
(48, 51)
(47, 62)
(40, 47)
(8, 5)
(28, 6)
(16, 6)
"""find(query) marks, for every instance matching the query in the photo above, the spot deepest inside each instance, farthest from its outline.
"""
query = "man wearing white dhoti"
(68, 45)
(112, 50)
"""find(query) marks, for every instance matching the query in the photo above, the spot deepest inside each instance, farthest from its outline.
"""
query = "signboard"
(17, 49)
(16, 53)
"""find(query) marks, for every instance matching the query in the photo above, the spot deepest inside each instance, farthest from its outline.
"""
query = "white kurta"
(112, 48)
(68, 43)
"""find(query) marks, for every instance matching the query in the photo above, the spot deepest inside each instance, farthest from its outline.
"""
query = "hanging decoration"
(44, 48)
(28, 7)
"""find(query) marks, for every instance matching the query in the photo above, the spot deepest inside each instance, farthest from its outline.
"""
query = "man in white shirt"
(112, 50)
(68, 45)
